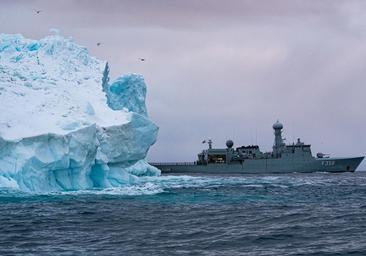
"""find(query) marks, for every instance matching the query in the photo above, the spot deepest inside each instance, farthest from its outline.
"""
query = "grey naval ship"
(295, 157)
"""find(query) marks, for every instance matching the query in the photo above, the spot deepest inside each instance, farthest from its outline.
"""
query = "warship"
(295, 157)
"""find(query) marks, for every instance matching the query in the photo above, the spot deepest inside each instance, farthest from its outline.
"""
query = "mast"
(209, 144)
(278, 142)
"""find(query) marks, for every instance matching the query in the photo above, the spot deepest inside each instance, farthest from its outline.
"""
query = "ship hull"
(260, 166)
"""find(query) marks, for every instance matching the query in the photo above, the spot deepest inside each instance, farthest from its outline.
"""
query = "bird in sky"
(98, 44)
(141, 59)
(38, 11)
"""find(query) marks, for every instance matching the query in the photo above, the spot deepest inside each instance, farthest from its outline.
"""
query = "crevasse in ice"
(63, 125)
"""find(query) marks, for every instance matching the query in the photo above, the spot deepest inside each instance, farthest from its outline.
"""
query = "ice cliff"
(63, 125)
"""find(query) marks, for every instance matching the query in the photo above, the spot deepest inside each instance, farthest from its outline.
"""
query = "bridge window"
(217, 159)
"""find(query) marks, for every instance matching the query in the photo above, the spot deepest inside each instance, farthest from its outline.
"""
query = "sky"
(226, 69)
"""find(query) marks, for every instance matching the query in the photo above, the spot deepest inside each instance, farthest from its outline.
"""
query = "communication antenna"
(234, 133)
(251, 137)
(290, 131)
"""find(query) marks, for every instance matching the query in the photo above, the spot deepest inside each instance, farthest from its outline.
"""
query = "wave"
(153, 185)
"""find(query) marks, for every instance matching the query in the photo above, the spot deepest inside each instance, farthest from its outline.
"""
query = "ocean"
(297, 214)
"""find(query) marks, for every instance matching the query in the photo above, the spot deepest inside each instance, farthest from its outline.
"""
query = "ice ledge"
(92, 157)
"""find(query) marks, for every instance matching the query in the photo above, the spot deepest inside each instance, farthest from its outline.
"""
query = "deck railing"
(173, 163)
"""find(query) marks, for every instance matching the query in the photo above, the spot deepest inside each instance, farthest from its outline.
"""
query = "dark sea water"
(297, 214)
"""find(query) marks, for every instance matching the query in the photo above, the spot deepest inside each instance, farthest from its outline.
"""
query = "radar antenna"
(209, 142)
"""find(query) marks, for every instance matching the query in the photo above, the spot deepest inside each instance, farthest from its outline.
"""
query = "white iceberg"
(63, 126)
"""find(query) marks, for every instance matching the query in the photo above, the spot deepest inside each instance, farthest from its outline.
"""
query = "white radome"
(277, 125)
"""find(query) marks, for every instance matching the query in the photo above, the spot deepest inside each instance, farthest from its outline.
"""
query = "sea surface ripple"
(297, 214)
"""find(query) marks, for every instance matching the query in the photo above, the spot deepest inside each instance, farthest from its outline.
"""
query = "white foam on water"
(131, 190)
(153, 185)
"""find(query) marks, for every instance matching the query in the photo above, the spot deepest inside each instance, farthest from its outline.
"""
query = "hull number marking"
(328, 163)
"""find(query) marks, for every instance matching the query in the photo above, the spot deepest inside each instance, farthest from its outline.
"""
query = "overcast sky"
(226, 69)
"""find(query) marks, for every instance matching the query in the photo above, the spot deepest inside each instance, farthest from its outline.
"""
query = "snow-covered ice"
(63, 125)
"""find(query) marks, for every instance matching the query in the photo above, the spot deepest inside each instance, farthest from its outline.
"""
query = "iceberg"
(63, 125)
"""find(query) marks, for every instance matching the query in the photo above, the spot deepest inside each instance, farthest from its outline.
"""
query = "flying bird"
(98, 44)
(38, 11)
(141, 59)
